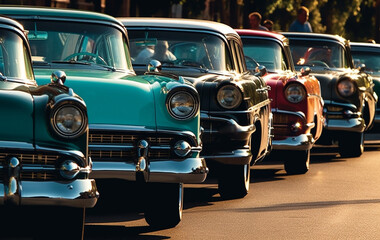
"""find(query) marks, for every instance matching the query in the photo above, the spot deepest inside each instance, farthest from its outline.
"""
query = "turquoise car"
(143, 129)
(44, 164)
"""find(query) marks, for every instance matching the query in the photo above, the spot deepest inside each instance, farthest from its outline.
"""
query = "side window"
(284, 62)
(236, 56)
(240, 58)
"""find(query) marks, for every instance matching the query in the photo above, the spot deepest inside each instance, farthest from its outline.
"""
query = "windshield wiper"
(72, 62)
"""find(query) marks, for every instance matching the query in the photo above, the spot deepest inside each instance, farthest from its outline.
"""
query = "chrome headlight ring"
(229, 96)
(346, 87)
(182, 103)
(295, 92)
(68, 120)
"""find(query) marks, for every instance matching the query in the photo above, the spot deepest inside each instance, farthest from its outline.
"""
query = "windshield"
(370, 59)
(14, 57)
(318, 54)
(266, 53)
(92, 44)
(174, 48)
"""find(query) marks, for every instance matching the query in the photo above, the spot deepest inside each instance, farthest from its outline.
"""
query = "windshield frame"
(26, 56)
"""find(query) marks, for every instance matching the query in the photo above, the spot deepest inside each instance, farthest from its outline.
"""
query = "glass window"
(318, 54)
(370, 59)
(77, 42)
(266, 53)
(14, 58)
(174, 48)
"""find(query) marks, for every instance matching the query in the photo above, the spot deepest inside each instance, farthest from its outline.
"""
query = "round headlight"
(68, 121)
(346, 88)
(229, 97)
(295, 93)
(182, 105)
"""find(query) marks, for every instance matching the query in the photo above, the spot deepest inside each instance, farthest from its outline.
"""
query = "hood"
(111, 97)
(16, 113)
(328, 82)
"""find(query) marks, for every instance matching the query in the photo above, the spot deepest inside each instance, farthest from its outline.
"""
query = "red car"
(297, 105)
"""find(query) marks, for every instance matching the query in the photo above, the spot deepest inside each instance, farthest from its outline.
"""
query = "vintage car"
(143, 129)
(235, 108)
(347, 92)
(297, 105)
(43, 146)
(369, 55)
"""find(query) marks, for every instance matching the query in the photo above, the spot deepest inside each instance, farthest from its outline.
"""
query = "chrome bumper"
(350, 125)
(301, 142)
(78, 193)
(235, 157)
(189, 170)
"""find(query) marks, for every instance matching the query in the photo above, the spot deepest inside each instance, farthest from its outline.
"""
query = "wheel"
(61, 223)
(164, 204)
(93, 56)
(351, 144)
(233, 181)
(297, 162)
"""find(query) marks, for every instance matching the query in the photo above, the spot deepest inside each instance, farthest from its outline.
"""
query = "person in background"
(255, 21)
(268, 24)
(301, 24)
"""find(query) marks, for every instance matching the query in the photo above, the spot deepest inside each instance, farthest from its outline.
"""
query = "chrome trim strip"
(344, 105)
(110, 147)
(16, 145)
(299, 114)
(126, 128)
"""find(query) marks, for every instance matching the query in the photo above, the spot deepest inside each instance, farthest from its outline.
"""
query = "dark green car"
(44, 164)
(142, 128)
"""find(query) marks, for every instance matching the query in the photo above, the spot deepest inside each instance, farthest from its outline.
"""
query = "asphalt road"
(339, 198)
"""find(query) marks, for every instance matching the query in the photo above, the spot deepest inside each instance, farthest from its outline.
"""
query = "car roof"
(314, 36)
(365, 45)
(32, 12)
(259, 33)
(195, 24)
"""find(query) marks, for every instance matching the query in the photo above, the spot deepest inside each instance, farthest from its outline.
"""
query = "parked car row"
(161, 105)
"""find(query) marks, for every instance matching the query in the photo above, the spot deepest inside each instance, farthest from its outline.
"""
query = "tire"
(297, 162)
(233, 181)
(164, 204)
(351, 144)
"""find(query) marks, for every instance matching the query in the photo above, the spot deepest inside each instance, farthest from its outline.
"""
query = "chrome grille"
(34, 159)
(125, 139)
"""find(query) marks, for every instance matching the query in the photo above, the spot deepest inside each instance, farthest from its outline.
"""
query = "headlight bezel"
(184, 91)
(291, 87)
(58, 132)
(341, 87)
(220, 97)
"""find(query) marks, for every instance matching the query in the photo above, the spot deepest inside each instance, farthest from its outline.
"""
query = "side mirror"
(261, 70)
(58, 77)
(305, 72)
(154, 66)
(362, 67)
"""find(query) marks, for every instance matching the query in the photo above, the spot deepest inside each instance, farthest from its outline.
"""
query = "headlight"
(346, 88)
(229, 96)
(295, 93)
(182, 105)
(68, 121)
